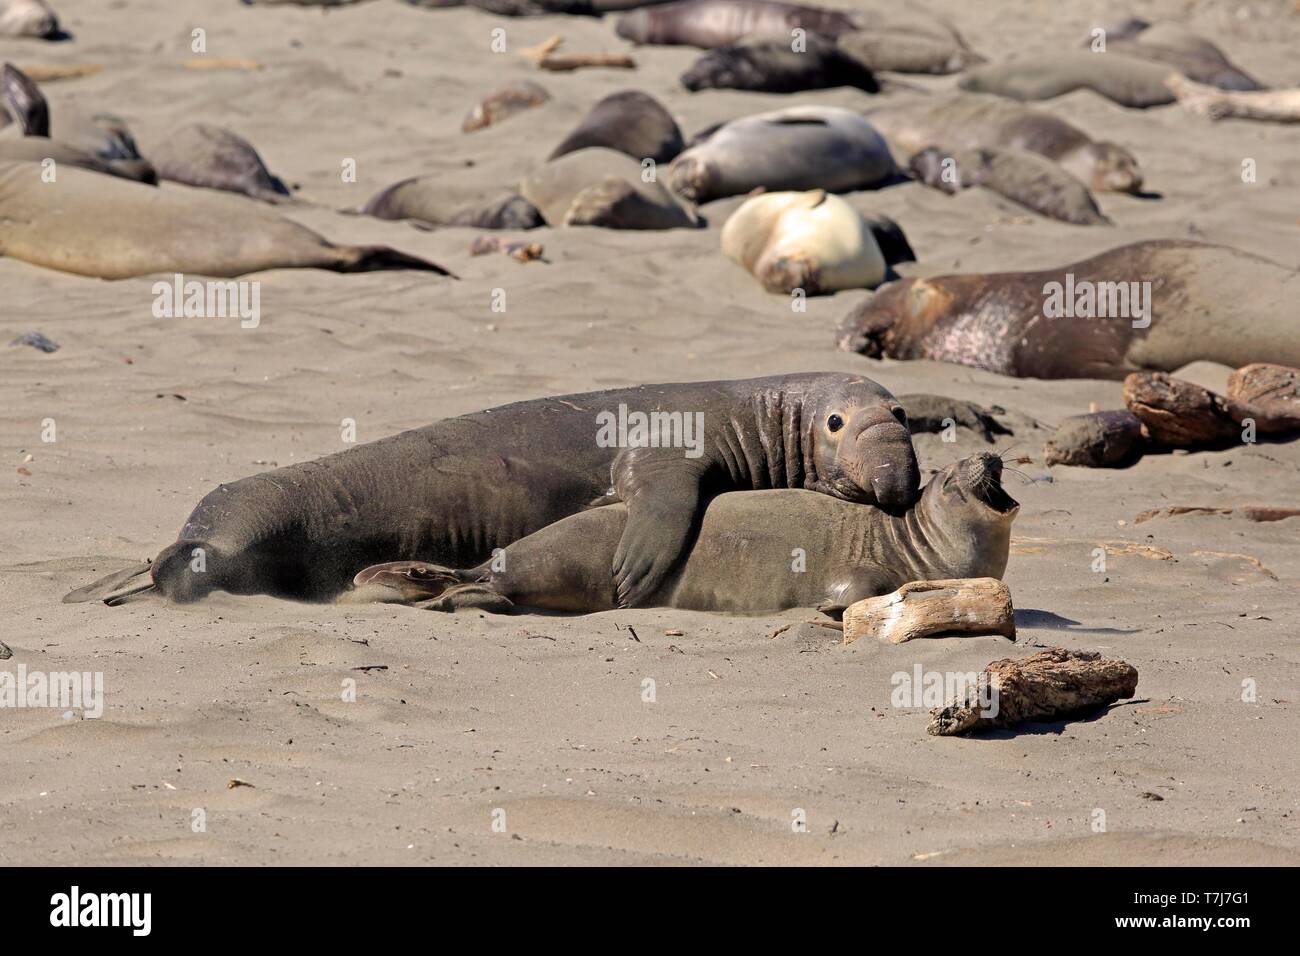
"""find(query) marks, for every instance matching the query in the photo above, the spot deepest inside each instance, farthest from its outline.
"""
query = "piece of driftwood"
(1250, 512)
(1110, 439)
(1179, 414)
(1270, 394)
(929, 608)
(1054, 684)
(503, 103)
(221, 63)
(1270, 106)
(50, 72)
(546, 57)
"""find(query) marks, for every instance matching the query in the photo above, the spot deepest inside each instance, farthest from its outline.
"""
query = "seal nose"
(894, 474)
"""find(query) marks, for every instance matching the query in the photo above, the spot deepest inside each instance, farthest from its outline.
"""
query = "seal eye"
(835, 423)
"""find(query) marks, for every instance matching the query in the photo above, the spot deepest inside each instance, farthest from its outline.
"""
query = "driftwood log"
(1271, 106)
(1110, 439)
(546, 57)
(1055, 684)
(1179, 414)
(929, 608)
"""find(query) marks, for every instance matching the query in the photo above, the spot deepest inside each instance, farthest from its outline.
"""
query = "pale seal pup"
(453, 491)
(603, 187)
(630, 122)
(428, 200)
(109, 228)
(797, 148)
(1203, 302)
(712, 23)
(28, 18)
(812, 241)
(214, 158)
(981, 121)
(772, 65)
(743, 560)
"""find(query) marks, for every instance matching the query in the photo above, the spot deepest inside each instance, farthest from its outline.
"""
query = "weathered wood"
(1179, 414)
(1270, 394)
(1110, 439)
(928, 608)
(1271, 106)
(1055, 684)
(545, 56)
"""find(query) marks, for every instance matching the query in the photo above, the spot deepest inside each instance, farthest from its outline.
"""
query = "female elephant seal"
(772, 65)
(453, 491)
(431, 201)
(742, 560)
(603, 187)
(1125, 80)
(712, 23)
(1150, 305)
(812, 241)
(108, 228)
(630, 122)
(798, 148)
(980, 121)
(215, 158)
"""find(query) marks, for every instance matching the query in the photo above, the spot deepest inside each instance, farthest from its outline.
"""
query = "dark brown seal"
(630, 122)
(774, 65)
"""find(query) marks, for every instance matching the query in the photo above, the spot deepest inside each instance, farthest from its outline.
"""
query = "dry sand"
(542, 717)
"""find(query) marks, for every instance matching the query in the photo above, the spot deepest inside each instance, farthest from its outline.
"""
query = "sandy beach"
(537, 723)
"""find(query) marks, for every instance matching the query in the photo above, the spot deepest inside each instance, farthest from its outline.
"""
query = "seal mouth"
(984, 475)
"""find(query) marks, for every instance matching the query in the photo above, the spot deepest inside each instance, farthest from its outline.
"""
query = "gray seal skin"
(1125, 80)
(451, 492)
(215, 158)
(630, 122)
(1171, 43)
(603, 187)
(742, 560)
(1026, 178)
(768, 65)
(996, 321)
(67, 225)
(982, 121)
(712, 23)
(794, 149)
(425, 200)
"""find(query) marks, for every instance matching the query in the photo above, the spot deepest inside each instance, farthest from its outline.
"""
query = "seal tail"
(129, 584)
(377, 258)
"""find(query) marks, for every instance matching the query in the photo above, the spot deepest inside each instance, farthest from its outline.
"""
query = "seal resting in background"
(1206, 302)
(453, 491)
(428, 200)
(1125, 80)
(798, 148)
(812, 241)
(1026, 178)
(981, 121)
(28, 18)
(630, 122)
(770, 65)
(603, 187)
(1173, 44)
(741, 562)
(109, 228)
(713, 23)
(208, 156)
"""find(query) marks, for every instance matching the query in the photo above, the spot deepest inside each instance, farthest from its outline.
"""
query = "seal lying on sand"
(1125, 80)
(812, 241)
(798, 148)
(1188, 300)
(1173, 44)
(1026, 178)
(770, 65)
(427, 199)
(452, 491)
(95, 225)
(980, 121)
(602, 187)
(630, 122)
(215, 158)
(741, 562)
(713, 23)
(28, 18)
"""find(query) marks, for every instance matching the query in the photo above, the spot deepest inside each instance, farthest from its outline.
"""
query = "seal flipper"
(24, 101)
(404, 582)
(376, 258)
(116, 588)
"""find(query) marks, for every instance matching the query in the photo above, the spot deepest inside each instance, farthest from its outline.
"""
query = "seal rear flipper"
(404, 582)
(116, 588)
(24, 101)
(476, 597)
(377, 258)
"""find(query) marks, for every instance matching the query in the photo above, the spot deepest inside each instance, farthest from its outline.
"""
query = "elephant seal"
(215, 158)
(713, 23)
(741, 561)
(108, 228)
(1150, 305)
(980, 121)
(37, 149)
(1173, 44)
(1026, 178)
(630, 122)
(28, 18)
(453, 491)
(900, 40)
(771, 65)
(812, 241)
(1125, 80)
(602, 187)
(798, 148)
(427, 200)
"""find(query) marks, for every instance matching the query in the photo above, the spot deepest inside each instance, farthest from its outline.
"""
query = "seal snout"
(883, 455)
(983, 475)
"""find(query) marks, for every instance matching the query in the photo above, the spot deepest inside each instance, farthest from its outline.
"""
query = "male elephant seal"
(109, 228)
(453, 491)
(798, 148)
(603, 187)
(980, 121)
(215, 158)
(712, 23)
(812, 241)
(28, 18)
(773, 65)
(743, 561)
(1150, 305)
(630, 122)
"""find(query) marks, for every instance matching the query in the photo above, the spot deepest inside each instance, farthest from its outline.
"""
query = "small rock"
(36, 341)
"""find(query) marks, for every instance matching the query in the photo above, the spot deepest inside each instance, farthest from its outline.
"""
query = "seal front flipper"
(662, 490)
(116, 588)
